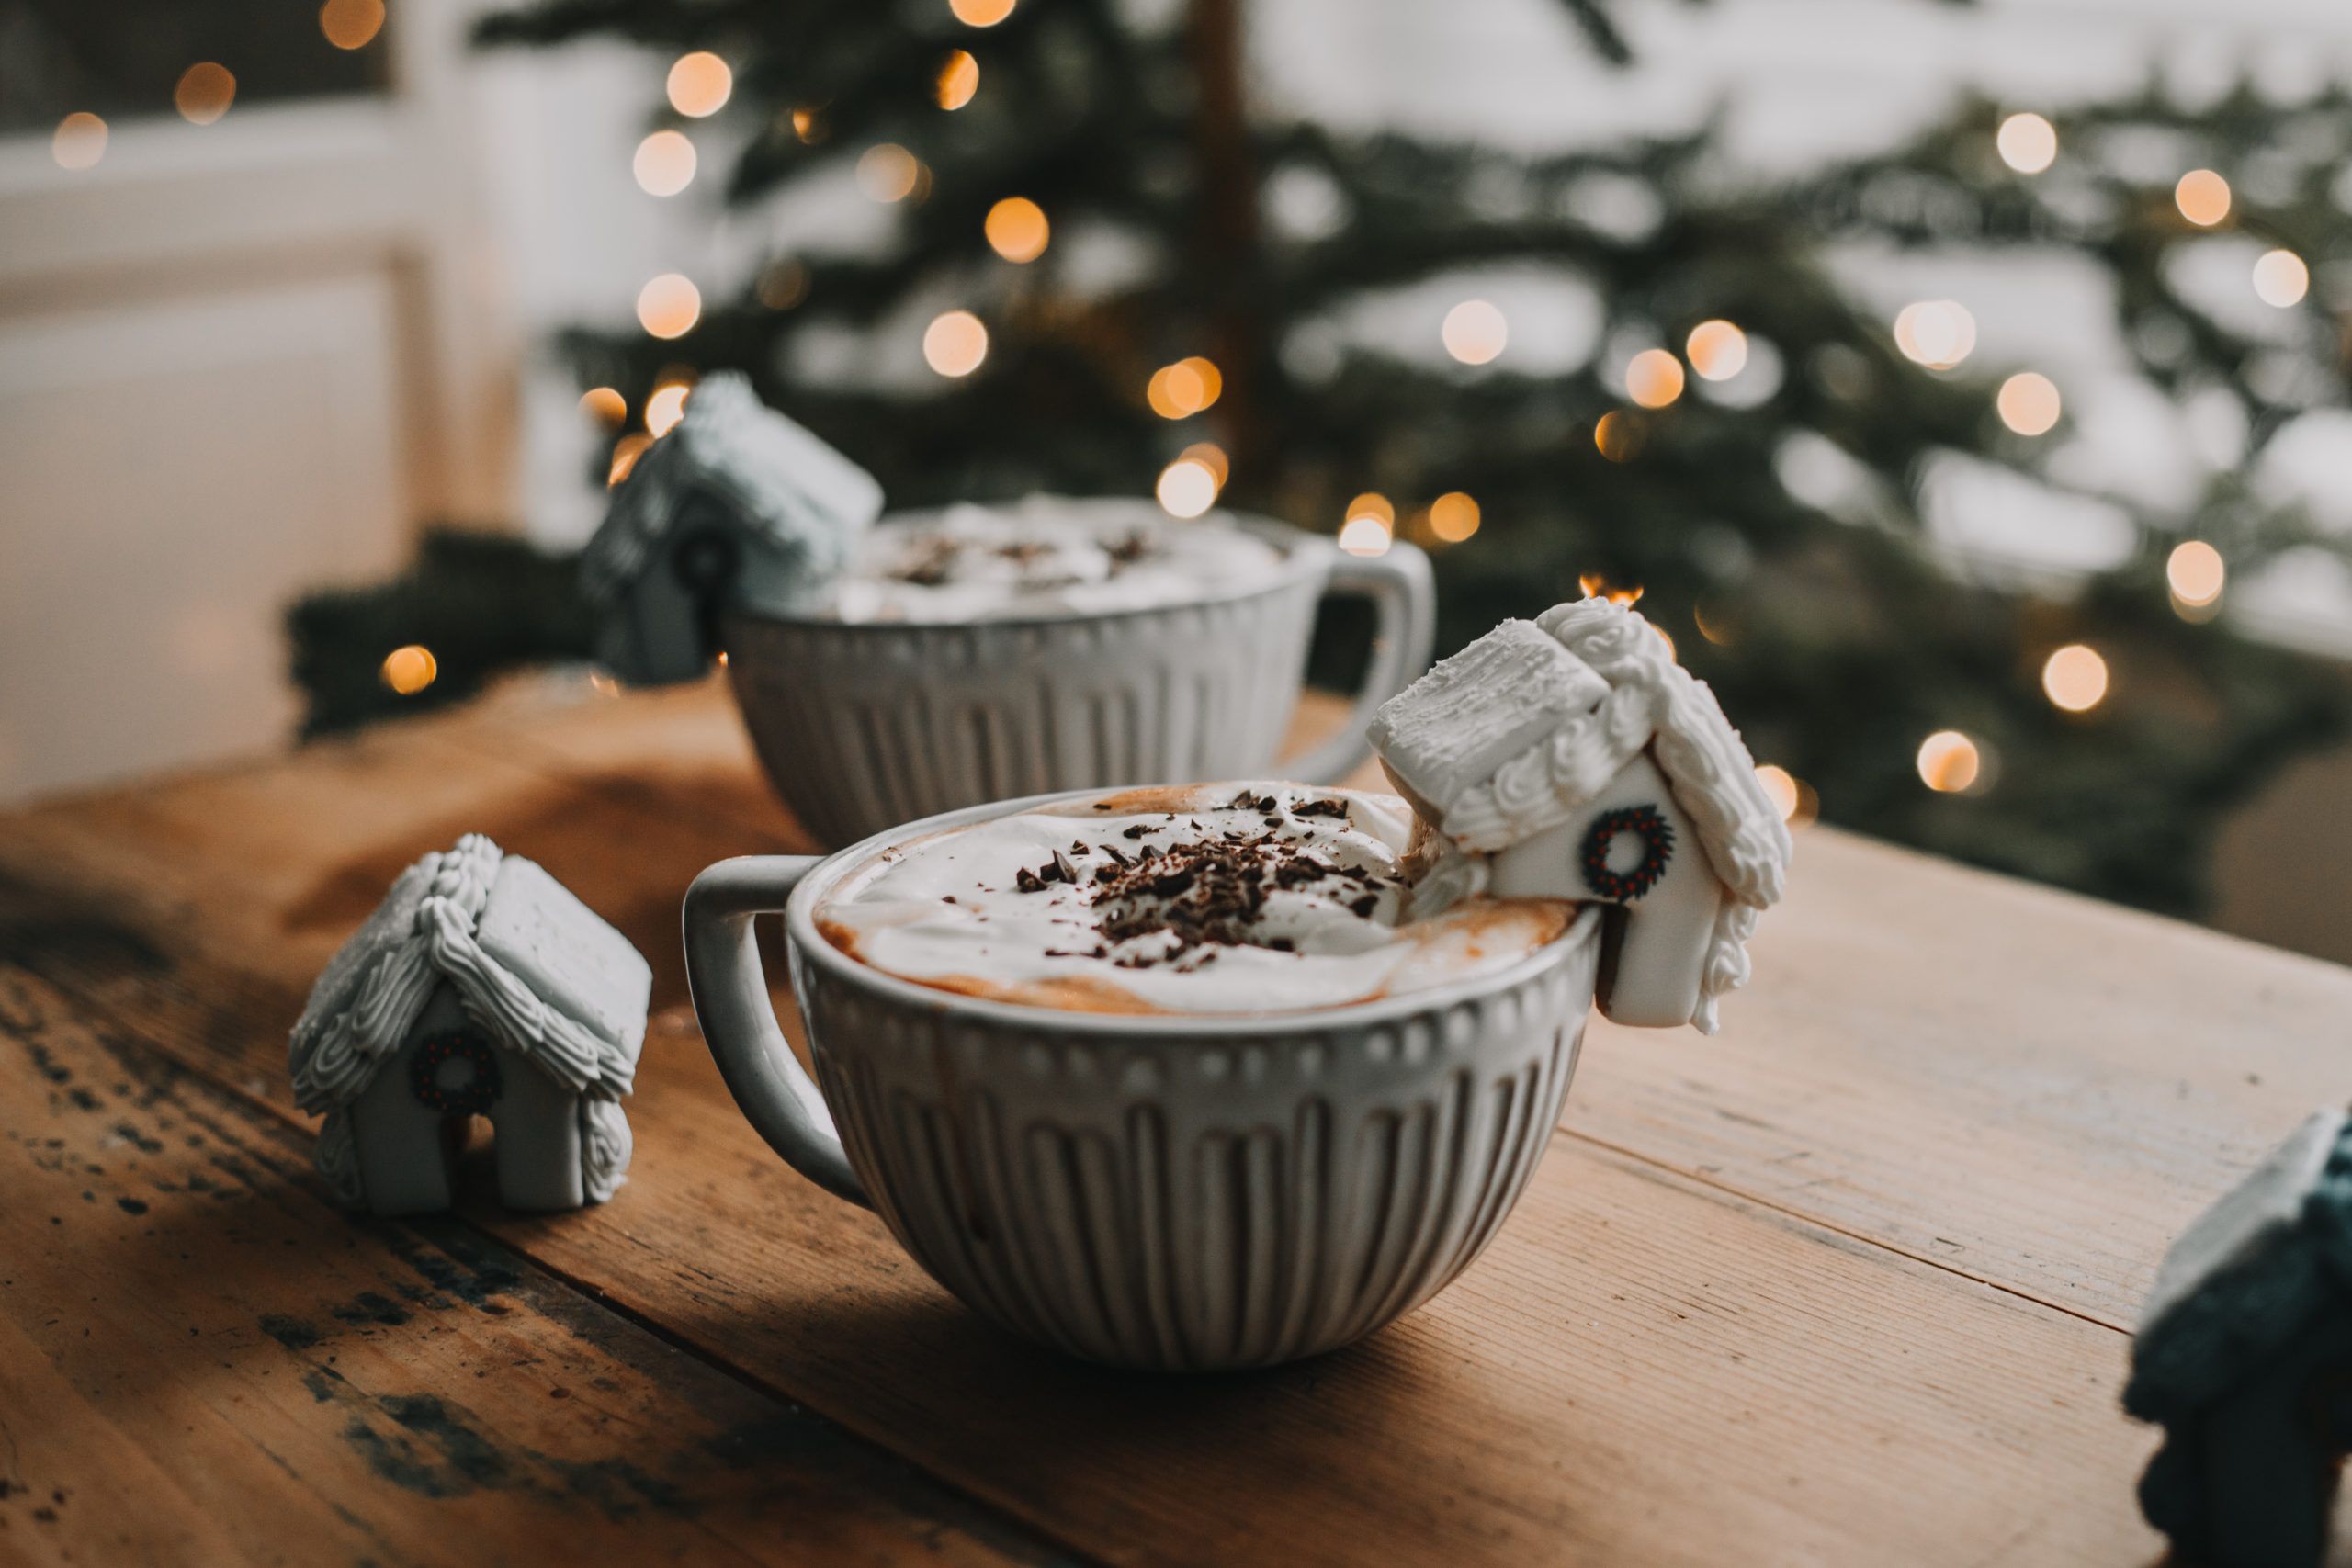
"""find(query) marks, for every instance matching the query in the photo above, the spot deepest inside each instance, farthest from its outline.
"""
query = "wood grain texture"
(200, 1361)
(1841, 1284)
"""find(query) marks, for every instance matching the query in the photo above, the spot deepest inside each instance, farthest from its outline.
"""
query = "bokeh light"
(888, 171)
(2028, 143)
(603, 404)
(1366, 535)
(1017, 228)
(2028, 403)
(1937, 333)
(1211, 456)
(666, 407)
(2280, 278)
(1780, 788)
(2074, 677)
(980, 13)
(1374, 505)
(2196, 573)
(2203, 197)
(80, 140)
(1453, 516)
(1187, 488)
(1183, 388)
(959, 78)
(1618, 436)
(1654, 378)
(1474, 332)
(351, 24)
(626, 452)
(204, 92)
(955, 343)
(664, 164)
(699, 84)
(1718, 350)
(410, 670)
(1950, 761)
(669, 306)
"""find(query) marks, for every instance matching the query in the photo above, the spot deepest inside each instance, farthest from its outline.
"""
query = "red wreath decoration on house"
(1658, 847)
(473, 1097)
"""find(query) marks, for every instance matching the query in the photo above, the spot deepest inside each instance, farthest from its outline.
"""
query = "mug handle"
(1397, 582)
(731, 997)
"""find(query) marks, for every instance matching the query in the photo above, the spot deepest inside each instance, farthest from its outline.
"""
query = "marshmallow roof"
(531, 964)
(1515, 733)
(773, 476)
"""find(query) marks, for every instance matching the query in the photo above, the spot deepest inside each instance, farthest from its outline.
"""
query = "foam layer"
(1205, 899)
(1045, 557)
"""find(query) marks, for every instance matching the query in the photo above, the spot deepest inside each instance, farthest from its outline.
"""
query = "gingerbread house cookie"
(1572, 757)
(737, 504)
(481, 986)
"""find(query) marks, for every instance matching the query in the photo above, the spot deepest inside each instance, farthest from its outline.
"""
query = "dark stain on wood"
(50, 927)
(292, 1332)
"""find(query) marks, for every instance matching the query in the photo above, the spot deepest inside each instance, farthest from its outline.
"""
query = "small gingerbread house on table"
(1572, 757)
(737, 504)
(481, 986)
(2243, 1354)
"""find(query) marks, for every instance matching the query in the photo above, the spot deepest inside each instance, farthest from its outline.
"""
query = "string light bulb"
(409, 670)
(2028, 403)
(2281, 278)
(1453, 516)
(204, 92)
(669, 306)
(2196, 573)
(1654, 378)
(955, 343)
(1187, 488)
(351, 24)
(664, 164)
(1185, 388)
(80, 140)
(699, 85)
(2027, 144)
(2203, 197)
(1937, 333)
(1718, 350)
(2075, 678)
(1017, 230)
(959, 78)
(1474, 332)
(1950, 762)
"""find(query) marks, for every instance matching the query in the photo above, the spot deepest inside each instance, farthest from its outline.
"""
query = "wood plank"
(199, 1360)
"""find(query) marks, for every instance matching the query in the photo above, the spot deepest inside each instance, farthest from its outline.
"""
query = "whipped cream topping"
(1201, 898)
(1045, 556)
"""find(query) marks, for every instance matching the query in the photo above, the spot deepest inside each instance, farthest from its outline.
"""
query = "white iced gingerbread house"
(1571, 756)
(736, 504)
(481, 986)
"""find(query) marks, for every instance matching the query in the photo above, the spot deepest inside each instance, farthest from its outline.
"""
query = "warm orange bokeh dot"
(205, 91)
(351, 24)
(2075, 678)
(410, 670)
(664, 164)
(1187, 488)
(2203, 197)
(2196, 573)
(955, 343)
(603, 404)
(2030, 404)
(1185, 388)
(1453, 516)
(700, 84)
(1618, 436)
(626, 452)
(980, 13)
(959, 78)
(669, 306)
(888, 171)
(80, 140)
(1718, 350)
(1017, 228)
(665, 407)
(1950, 761)
(1654, 378)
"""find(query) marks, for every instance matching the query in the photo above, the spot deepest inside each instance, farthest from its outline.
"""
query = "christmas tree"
(1117, 267)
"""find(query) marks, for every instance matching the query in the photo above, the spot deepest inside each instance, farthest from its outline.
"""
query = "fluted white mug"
(862, 725)
(1175, 1193)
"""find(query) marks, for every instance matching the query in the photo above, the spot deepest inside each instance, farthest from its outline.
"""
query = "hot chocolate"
(1216, 899)
(1045, 557)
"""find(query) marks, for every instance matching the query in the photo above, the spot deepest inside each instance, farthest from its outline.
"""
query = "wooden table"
(1851, 1282)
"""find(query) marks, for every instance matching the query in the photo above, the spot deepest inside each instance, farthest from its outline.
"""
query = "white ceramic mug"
(1177, 1192)
(861, 724)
